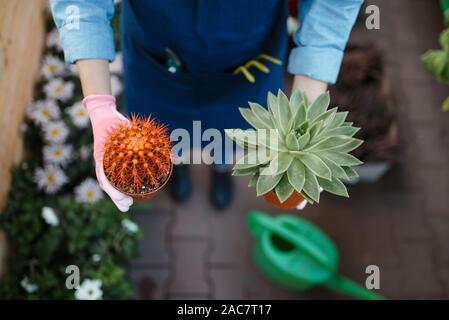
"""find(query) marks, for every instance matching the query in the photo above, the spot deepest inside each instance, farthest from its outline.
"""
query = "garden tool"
(298, 255)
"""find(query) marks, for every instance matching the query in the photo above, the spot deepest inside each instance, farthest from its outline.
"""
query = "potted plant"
(436, 62)
(137, 157)
(362, 90)
(296, 148)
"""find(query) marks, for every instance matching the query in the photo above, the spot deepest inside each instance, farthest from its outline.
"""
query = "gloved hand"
(103, 115)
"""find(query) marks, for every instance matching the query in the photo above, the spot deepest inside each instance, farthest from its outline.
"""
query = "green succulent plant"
(296, 146)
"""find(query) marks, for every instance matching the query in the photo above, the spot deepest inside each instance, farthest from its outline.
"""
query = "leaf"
(307, 197)
(251, 118)
(435, 61)
(329, 143)
(295, 100)
(443, 39)
(319, 106)
(315, 129)
(336, 170)
(261, 113)
(273, 106)
(311, 186)
(303, 141)
(338, 120)
(342, 159)
(278, 164)
(284, 189)
(351, 173)
(296, 174)
(253, 158)
(301, 116)
(253, 181)
(445, 106)
(266, 183)
(244, 138)
(270, 139)
(340, 131)
(316, 165)
(349, 146)
(284, 113)
(292, 141)
(327, 117)
(335, 186)
(245, 172)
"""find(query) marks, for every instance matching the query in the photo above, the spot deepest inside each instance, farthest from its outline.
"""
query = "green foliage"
(90, 236)
(436, 62)
(297, 146)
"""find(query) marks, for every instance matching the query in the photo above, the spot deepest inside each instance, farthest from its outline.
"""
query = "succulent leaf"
(316, 165)
(296, 174)
(262, 114)
(279, 164)
(292, 142)
(295, 101)
(303, 147)
(284, 189)
(335, 186)
(266, 183)
(319, 106)
(251, 118)
(311, 186)
(304, 140)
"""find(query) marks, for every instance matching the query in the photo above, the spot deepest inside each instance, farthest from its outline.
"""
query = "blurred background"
(397, 216)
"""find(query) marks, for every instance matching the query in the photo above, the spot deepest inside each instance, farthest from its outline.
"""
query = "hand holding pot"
(103, 115)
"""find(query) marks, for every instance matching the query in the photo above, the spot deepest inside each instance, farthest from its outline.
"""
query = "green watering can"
(298, 255)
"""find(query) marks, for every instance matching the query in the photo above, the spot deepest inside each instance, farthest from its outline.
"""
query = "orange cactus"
(137, 157)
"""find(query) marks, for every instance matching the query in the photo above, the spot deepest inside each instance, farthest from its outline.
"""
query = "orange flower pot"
(291, 203)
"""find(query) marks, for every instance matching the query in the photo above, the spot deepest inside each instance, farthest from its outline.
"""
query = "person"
(226, 53)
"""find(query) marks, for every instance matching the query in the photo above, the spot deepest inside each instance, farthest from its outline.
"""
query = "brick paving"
(400, 224)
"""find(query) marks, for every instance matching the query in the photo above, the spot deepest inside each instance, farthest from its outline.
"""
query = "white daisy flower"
(116, 86)
(85, 153)
(53, 40)
(58, 154)
(79, 115)
(52, 66)
(50, 178)
(56, 88)
(28, 286)
(41, 112)
(130, 226)
(50, 217)
(89, 290)
(55, 131)
(88, 191)
(116, 66)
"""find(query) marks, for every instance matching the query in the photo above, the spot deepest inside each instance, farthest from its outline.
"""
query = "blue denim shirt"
(320, 39)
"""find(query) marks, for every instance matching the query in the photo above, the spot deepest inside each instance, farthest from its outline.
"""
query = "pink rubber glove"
(103, 115)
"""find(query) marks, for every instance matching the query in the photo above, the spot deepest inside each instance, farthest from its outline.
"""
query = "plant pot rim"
(289, 203)
(151, 194)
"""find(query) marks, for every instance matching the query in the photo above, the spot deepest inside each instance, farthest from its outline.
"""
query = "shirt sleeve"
(84, 28)
(321, 38)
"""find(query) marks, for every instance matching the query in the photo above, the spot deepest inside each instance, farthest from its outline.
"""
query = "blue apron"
(211, 38)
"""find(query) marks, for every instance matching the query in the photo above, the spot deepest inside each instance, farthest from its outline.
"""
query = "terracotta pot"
(152, 193)
(291, 203)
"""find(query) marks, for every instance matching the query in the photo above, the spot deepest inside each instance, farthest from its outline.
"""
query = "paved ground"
(400, 224)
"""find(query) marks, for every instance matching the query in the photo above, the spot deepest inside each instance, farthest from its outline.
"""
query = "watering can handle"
(298, 240)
